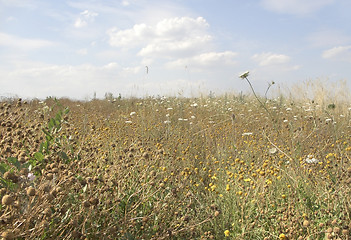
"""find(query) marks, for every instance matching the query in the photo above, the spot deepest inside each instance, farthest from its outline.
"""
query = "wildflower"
(132, 113)
(167, 122)
(273, 150)
(247, 134)
(282, 236)
(226, 233)
(128, 122)
(311, 159)
(31, 177)
(227, 188)
(244, 75)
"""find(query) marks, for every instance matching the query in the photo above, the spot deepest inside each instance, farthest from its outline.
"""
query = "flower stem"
(253, 90)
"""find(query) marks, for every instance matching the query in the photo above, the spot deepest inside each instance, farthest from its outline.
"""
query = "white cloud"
(84, 18)
(172, 37)
(12, 41)
(64, 80)
(295, 6)
(342, 53)
(267, 59)
(206, 60)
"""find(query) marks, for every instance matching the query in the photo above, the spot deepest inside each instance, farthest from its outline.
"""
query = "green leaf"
(4, 167)
(58, 117)
(47, 133)
(14, 162)
(51, 124)
(39, 156)
(3, 182)
(66, 110)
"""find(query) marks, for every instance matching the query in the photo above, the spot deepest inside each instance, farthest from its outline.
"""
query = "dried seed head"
(145, 219)
(49, 176)
(7, 235)
(306, 223)
(10, 176)
(86, 204)
(216, 213)
(31, 191)
(7, 200)
(94, 201)
(146, 155)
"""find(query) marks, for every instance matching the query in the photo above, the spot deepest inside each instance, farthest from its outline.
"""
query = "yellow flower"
(226, 233)
(282, 236)
(227, 188)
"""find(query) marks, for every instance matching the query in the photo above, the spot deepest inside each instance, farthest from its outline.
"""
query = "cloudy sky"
(153, 47)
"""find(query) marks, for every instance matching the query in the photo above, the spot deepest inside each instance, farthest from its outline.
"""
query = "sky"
(82, 48)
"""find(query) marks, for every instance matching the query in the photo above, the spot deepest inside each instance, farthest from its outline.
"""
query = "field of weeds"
(175, 168)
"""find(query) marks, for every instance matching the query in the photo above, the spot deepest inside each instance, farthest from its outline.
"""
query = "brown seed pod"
(7, 235)
(94, 201)
(31, 191)
(306, 223)
(9, 175)
(86, 204)
(7, 200)
(49, 176)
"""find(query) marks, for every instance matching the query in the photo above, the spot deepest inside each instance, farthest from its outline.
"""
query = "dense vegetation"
(175, 168)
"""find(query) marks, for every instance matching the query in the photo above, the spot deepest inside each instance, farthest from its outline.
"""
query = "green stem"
(257, 97)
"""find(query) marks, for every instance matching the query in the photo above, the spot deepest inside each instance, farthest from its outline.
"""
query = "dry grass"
(170, 168)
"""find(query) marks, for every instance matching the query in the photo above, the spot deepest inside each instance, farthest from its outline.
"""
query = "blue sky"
(75, 48)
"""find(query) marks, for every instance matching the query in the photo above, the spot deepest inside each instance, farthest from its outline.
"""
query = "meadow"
(175, 168)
